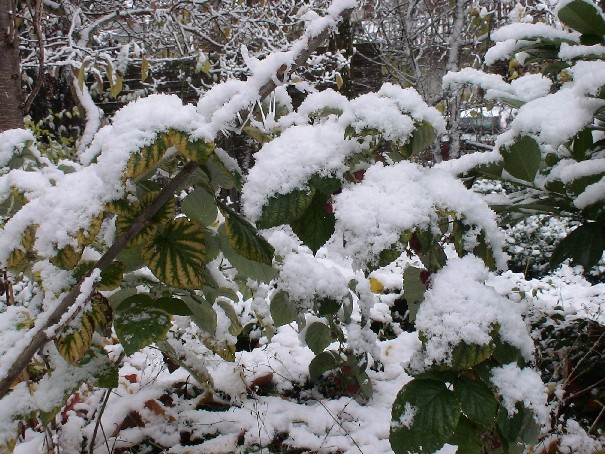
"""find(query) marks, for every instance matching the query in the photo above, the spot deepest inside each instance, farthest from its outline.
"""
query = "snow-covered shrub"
(552, 159)
(531, 241)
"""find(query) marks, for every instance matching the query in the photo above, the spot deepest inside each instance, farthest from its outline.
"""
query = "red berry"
(346, 370)
(329, 207)
(425, 276)
(359, 174)
(415, 244)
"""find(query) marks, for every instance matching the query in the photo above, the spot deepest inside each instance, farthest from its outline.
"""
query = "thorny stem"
(40, 338)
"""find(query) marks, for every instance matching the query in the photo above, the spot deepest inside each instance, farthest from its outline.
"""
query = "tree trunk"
(10, 74)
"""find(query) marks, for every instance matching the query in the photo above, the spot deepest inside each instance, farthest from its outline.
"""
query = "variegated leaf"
(196, 150)
(86, 237)
(245, 239)
(146, 158)
(21, 257)
(67, 258)
(75, 341)
(164, 215)
(176, 254)
(285, 208)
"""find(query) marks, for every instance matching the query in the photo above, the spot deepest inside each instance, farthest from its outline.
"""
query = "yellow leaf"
(339, 81)
(144, 69)
(82, 74)
(116, 87)
(376, 286)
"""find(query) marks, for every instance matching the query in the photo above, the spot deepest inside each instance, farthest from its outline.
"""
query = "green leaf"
(111, 276)
(285, 208)
(584, 246)
(322, 363)
(245, 239)
(235, 327)
(327, 306)
(422, 137)
(583, 17)
(520, 427)
(282, 309)
(413, 290)
(248, 268)
(139, 324)
(107, 374)
(465, 356)
(174, 306)
(220, 175)
(467, 437)
(317, 224)
(200, 207)
(436, 416)
(506, 353)
(131, 259)
(326, 185)
(318, 337)
(176, 255)
(581, 144)
(476, 400)
(202, 314)
(522, 159)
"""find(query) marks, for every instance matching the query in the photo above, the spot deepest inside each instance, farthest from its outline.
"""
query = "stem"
(91, 447)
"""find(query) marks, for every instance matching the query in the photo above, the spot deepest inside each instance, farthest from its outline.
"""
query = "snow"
(15, 141)
(291, 159)
(460, 307)
(372, 215)
(515, 384)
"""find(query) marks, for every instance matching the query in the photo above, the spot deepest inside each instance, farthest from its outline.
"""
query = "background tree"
(10, 77)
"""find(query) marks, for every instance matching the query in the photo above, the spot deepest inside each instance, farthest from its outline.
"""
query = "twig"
(594, 424)
(37, 18)
(339, 424)
(91, 446)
